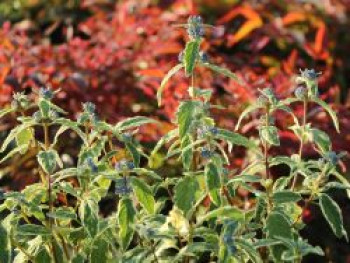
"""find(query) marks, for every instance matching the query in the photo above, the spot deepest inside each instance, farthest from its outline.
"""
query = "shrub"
(195, 216)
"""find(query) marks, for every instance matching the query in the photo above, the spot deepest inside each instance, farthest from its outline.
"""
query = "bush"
(196, 215)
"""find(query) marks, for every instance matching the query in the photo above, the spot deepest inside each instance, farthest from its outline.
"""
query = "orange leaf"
(320, 37)
(3, 74)
(151, 73)
(253, 21)
(293, 17)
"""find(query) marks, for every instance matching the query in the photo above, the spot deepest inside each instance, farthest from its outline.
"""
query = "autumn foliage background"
(115, 53)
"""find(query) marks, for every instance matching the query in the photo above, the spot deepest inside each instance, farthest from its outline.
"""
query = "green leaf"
(187, 152)
(321, 139)
(5, 111)
(73, 126)
(234, 138)
(126, 214)
(269, 134)
(24, 137)
(63, 213)
(285, 196)
(330, 111)
(13, 133)
(42, 256)
(13, 152)
(247, 110)
(224, 71)
(165, 80)
(99, 251)
(32, 230)
(134, 152)
(144, 194)
(185, 190)
(213, 182)
(228, 237)
(190, 56)
(88, 213)
(247, 178)
(47, 160)
(185, 116)
(228, 212)
(250, 250)
(44, 107)
(332, 213)
(277, 225)
(5, 246)
(133, 122)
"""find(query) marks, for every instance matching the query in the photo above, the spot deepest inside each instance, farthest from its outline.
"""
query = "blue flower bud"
(214, 130)
(206, 153)
(300, 92)
(92, 165)
(310, 74)
(203, 57)
(46, 93)
(89, 107)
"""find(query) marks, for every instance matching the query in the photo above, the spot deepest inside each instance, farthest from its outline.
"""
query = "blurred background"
(115, 53)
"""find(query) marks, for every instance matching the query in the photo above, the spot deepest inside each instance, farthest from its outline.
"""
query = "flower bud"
(300, 92)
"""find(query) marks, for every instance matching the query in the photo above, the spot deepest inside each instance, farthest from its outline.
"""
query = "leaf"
(99, 251)
(73, 126)
(277, 225)
(24, 137)
(253, 21)
(5, 111)
(5, 246)
(134, 152)
(133, 122)
(187, 152)
(47, 160)
(228, 212)
(144, 194)
(234, 138)
(330, 111)
(332, 213)
(321, 139)
(126, 214)
(213, 183)
(190, 56)
(247, 110)
(88, 213)
(13, 133)
(32, 230)
(185, 190)
(44, 107)
(63, 213)
(185, 116)
(228, 237)
(13, 152)
(250, 250)
(269, 134)
(165, 80)
(224, 71)
(245, 178)
(285, 196)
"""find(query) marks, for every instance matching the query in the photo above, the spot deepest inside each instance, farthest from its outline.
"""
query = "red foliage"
(117, 57)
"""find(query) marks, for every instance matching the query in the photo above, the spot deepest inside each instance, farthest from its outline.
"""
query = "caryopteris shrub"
(196, 216)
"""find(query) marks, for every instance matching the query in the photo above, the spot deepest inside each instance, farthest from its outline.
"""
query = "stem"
(266, 148)
(154, 253)
(301, 140)
(49, 192)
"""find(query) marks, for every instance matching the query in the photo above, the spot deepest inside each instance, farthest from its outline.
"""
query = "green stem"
(305, 102)
(266, 148)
